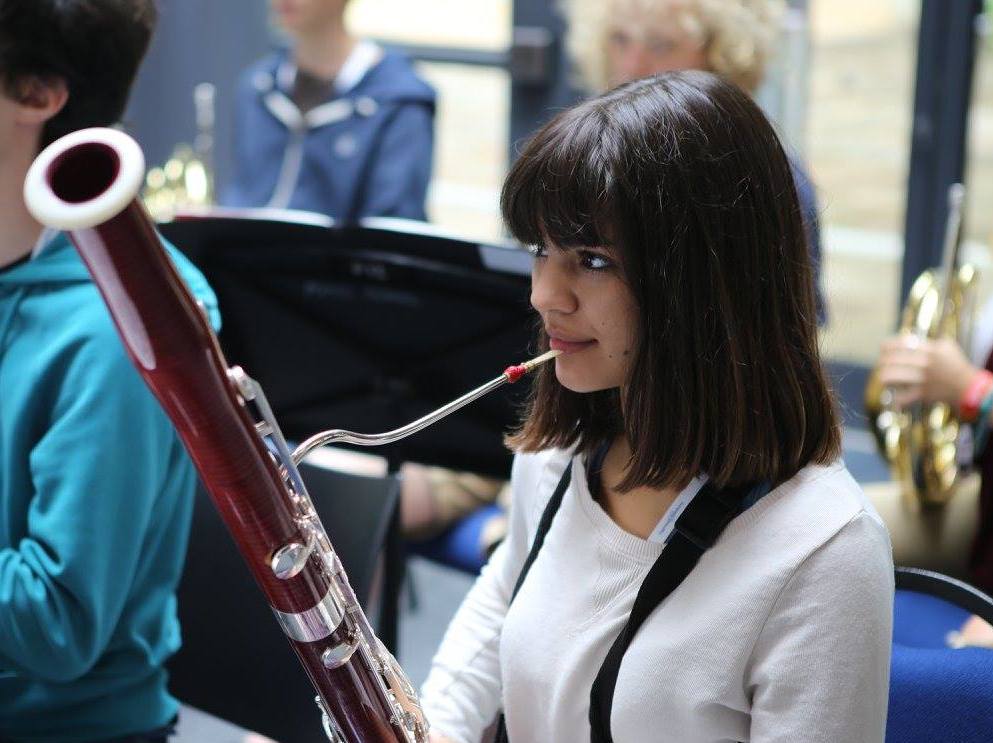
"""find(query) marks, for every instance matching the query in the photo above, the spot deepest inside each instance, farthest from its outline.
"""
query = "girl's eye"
(538, 251)
(595, 261)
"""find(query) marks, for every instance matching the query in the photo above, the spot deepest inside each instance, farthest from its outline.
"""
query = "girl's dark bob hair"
(683, 176)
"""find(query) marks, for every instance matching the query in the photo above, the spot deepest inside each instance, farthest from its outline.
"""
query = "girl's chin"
(580, 383)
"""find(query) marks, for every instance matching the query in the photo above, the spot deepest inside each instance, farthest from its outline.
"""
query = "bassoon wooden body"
(86, 183)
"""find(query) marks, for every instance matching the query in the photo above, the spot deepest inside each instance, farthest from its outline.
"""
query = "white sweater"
(781, 633)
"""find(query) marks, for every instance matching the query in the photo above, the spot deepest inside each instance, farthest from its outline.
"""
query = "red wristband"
(972, 398)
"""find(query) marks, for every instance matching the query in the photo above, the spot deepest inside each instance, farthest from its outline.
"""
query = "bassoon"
(86, 183)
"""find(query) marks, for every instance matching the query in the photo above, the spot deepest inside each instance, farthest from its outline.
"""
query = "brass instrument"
(187, 178)
(922, 443)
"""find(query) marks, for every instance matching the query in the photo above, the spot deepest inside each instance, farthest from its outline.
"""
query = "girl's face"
(639, 46)
(589, 314)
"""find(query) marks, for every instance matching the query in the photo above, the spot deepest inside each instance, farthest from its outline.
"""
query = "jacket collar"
(275, 88)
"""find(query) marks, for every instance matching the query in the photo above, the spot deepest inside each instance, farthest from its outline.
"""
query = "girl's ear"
(40, 100)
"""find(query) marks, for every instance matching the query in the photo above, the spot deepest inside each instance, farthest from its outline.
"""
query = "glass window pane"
(475, 24)
(470, 157)
(863, 60)
(978, 216)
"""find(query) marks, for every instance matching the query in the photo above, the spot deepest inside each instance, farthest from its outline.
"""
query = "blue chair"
(459, 546)
(938, 694)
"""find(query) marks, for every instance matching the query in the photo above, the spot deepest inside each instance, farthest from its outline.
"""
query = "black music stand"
(365, 328)
(369, 327)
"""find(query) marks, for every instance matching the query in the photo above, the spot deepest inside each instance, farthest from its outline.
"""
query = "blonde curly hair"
(738, 36)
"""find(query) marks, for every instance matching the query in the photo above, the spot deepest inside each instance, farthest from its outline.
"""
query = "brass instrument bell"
(922, 443)
(187, 178)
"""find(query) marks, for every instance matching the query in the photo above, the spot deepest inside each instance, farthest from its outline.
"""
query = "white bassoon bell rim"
(51, 210)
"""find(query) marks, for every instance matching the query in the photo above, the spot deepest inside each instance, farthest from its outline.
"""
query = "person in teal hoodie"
(96, 490)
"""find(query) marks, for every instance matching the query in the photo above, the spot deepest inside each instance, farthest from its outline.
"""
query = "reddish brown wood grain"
(176, 352)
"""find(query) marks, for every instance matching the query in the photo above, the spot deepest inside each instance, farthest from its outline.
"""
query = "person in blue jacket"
(333, 125)
(96, 490)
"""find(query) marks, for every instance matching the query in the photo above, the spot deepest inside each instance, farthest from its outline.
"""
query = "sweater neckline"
(607, 531)
(610, 534)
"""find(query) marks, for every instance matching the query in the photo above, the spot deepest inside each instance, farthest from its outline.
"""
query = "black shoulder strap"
(543, 526)
(695, 531)
(539, 539)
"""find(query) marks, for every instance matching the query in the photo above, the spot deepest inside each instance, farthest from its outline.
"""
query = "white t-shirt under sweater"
(781, 633)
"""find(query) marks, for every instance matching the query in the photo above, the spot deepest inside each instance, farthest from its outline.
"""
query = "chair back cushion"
(940, 695)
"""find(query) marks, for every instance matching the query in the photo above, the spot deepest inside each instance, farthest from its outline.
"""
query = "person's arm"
(975, 632)
(97, 470)
(820, 668)
(462, 694)
(923, 370)
(434, 498)
(397, 183)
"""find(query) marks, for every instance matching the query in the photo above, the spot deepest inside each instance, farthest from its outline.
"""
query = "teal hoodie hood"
(96, 496)
(58, 263)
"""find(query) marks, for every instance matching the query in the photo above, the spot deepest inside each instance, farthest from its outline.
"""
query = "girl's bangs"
(560, 189)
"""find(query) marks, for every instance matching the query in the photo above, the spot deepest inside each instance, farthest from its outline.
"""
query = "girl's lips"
(557, 344)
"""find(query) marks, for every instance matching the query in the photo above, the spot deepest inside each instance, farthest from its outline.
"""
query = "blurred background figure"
(614, 41)
(434, 498)
(921, 370)
(332, 124)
